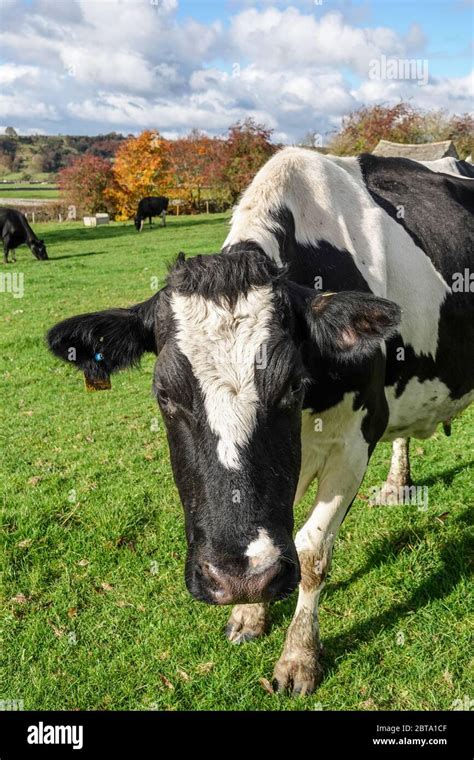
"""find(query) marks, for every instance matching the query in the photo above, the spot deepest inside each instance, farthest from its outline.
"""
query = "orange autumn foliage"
(141, 168)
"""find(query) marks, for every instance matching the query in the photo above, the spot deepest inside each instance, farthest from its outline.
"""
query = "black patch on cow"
(439, 217)
(465, 169)
(224, 276)
(305, 262)
(331, 377)
(437, 209)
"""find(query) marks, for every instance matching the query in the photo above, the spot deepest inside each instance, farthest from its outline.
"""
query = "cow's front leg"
(299, 669)
(247, 621)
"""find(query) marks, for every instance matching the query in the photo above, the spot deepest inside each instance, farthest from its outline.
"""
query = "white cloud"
(90, 65)
(455, 94)
(14, 107)
(11, 73)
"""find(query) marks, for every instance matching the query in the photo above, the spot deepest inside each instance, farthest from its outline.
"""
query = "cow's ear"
(106, 341)
(351, 325)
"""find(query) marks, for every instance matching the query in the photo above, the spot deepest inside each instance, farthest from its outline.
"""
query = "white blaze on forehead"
(262, 552)
(222, 345)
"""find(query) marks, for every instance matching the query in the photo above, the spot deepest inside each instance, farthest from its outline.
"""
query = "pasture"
(94, 610)
(25, 191)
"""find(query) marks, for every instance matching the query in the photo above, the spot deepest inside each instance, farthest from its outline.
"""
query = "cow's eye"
(291, 394)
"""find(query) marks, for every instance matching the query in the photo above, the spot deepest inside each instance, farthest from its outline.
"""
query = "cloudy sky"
(95, 66)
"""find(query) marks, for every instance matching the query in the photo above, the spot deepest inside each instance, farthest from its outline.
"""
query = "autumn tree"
(193, 164)
(247, 147)
(84, 182)
(361, 130)
(141, 168)
(402, 123)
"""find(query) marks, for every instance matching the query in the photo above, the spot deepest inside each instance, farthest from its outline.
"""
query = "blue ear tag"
(99, 357)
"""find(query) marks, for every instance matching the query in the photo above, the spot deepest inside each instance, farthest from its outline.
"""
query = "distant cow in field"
(328, 322)
(15, 231)
(150, 207)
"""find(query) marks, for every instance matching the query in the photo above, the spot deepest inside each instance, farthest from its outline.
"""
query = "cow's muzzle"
(210, 584)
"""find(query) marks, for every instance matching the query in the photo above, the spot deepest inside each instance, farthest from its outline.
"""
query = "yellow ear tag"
(93, 384)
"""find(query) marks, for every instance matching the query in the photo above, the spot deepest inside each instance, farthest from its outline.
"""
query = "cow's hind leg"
(6, 251)
(299, 669)
(399, 476)
(247, 621)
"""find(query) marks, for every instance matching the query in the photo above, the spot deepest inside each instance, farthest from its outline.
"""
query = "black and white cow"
(449, 165)
(265, 383)
(16, 231)
(399, 475)
(150, 207)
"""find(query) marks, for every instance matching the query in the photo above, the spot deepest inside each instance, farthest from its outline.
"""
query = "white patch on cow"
(338, 434)
(262, 552)
(222, 345)
(447, 165)
(349, 164)
(329, 201)
(420, 408)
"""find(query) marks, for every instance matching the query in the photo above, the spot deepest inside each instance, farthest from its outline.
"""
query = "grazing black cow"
(15, 231)
(150, 207)
(339, 313)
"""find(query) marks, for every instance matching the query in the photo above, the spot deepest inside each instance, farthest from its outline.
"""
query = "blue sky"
(91, 66)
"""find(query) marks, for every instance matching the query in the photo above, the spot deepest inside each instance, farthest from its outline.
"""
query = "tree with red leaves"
(247, 147)
(83, 183)
(401, 123)
(193, 163)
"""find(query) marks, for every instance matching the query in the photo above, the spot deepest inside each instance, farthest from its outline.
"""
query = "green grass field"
(29, 192)
(94, 609)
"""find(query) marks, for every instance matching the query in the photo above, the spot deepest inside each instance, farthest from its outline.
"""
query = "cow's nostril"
(222, 587)
(218, 583)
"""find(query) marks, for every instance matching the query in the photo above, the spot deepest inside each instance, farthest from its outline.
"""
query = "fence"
(57, 211)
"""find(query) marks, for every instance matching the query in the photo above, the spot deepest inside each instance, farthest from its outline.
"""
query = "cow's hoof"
(393, 490)
(247, 622)
(298, 676)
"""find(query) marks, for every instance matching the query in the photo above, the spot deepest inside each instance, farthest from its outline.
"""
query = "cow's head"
(230, 381)
(38, 250)
(138, 221)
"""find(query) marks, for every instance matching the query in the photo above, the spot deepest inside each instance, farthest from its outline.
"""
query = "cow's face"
(229, 380)
(229, 383)
(38, 249)
(138, 221)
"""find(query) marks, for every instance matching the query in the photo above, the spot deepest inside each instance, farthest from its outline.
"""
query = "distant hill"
(27, 157)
